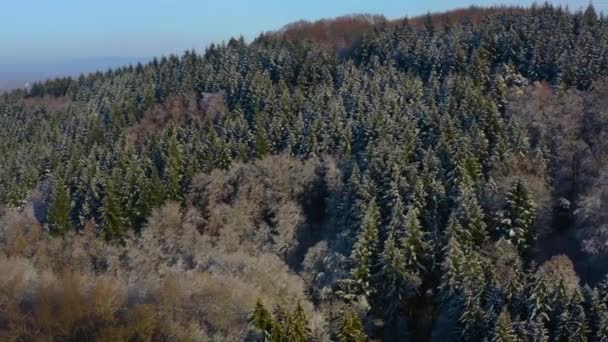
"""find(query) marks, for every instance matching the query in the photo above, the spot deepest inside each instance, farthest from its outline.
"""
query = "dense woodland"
(441, 179)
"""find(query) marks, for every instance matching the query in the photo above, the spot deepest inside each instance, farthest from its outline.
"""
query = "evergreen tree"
(59, 212)
(471, 217)
(393, 282)
(279, 332)
(154, 194)
(537, 330)
(262, 321)
(518, 217)
(503, 331)
(577, 325)
(394, 202)
(112, 213)
(298, 327)
(414, 242)
(261, 148)
(173, 165)
(365, 250)
(351, 329)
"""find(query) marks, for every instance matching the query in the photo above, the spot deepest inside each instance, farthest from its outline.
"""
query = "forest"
(442, 178)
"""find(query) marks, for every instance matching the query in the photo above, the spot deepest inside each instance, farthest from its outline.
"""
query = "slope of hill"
(427, 183)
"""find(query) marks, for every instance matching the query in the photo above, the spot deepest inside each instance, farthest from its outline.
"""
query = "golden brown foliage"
(170, 282)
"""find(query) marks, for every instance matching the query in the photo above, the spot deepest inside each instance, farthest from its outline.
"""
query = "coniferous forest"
(442, 178)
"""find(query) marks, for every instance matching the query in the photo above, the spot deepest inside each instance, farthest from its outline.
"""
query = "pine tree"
(451, 268)
(59, 212)
(503, 331)
(298, 327)
(365, 250)
(601, 331)
(537, 330)
(351, 329)
(539, 299)
(472, 317)
(261, 148)
(112, 214)
(261, 319)
(471, 217)
(173, 165)
(414, 242)
(155, 194)
(279, 332)
(392, 279)
(394, 203)
(518, 218)
(577, 325)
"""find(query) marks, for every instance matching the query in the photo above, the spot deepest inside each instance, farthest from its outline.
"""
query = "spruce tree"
(59, 212)
(261, 148)
(503, 331)
(518, 217)
(394, 203)
(261, 319)
(112, 214)
(155, 193)
(365, 250)
(537, 330)
(471, 217)
(414, 242)
(577, 324)
(392, 278)
(298, 326)
(351, 329)
(173, 165)
(279, 331)
(451, 268)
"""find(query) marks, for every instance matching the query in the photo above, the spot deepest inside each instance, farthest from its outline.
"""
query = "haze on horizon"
(44, 39)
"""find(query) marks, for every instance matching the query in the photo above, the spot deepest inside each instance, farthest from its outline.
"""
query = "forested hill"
(433, 182)
(345, 33)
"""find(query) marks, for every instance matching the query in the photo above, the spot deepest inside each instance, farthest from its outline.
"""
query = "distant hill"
(17, 75)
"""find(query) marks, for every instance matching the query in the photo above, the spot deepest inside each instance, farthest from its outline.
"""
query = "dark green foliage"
(518, 216)
(284, 326)
(365, 250)
(113, 215)
(262, 320)
(59, 211)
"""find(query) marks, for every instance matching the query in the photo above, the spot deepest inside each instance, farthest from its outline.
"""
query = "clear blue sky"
(43, 30)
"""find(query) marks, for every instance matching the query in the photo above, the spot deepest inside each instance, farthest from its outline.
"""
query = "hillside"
(344, 33)
(426, 180)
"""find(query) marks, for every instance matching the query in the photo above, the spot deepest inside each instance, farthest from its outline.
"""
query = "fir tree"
(392, 279)
(59, 212)
(577, 325)
(112, 213)
(518, 218)
(365, 250)
(351, 329)
(414, 242)
(471, 217)
(503, 331)
(261, 148)
(298, 329)
(154, 194)
(537, 330)
(262, 321)
(173, 165)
